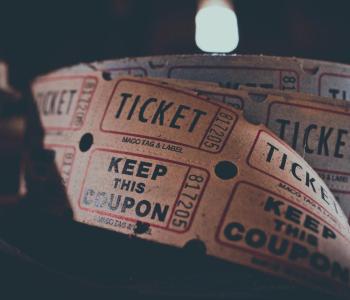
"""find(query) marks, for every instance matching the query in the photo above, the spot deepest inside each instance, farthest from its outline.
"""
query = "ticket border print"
(167, 225)
(313, 108)
(178, 90)
(275, 177)
(252, 251)
(42, 80)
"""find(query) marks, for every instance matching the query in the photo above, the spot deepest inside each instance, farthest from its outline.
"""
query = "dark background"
(39, 36)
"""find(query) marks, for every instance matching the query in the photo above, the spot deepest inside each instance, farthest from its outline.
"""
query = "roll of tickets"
(290, 74)
(317, 128)
(158, 161)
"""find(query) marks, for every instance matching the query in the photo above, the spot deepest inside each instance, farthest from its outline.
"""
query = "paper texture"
(168, 165)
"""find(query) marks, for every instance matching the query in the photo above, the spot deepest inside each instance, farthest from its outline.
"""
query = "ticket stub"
(270, 236)
(168, 165)
(64, 108)
(322, 135)
(145, 199)
(212, 129)
(321, 78)
(277, 157)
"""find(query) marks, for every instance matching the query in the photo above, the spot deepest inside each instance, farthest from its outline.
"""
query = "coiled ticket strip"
(326, 79)
(161, 162)
(320, 78)
(317, 128)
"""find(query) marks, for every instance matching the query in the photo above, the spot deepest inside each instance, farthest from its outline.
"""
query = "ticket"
(170, 165)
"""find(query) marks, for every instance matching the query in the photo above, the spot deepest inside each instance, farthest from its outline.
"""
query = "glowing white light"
(216, 27)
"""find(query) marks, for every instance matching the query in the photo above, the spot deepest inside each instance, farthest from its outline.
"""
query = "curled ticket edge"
(316, 127)
(151, 159)
(326, 79)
